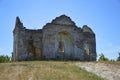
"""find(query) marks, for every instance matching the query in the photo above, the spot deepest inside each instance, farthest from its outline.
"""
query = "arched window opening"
(61, 46)
(87, 51)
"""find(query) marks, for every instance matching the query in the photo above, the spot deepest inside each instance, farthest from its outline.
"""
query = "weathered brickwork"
(59, 40)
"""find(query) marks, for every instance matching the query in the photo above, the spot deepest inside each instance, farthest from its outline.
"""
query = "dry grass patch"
(44, 70)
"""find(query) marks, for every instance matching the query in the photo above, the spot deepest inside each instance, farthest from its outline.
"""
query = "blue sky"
(103, 16)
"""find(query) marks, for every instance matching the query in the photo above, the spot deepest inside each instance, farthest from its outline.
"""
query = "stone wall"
(59, 40)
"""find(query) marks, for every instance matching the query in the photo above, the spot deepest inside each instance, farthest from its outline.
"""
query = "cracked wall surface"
(60, 39)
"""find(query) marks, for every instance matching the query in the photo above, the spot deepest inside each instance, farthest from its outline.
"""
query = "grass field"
(44, 70)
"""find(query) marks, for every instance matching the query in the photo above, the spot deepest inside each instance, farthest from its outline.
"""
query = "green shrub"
(4, 58)
(102, 57)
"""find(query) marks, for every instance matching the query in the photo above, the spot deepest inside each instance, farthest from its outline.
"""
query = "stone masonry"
(59, 40)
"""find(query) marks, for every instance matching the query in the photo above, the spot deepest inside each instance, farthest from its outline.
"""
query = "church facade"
(60, 39)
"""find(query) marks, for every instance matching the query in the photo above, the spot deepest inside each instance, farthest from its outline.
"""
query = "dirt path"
(108, 71)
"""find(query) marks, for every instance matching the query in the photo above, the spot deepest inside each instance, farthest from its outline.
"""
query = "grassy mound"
(44, 70)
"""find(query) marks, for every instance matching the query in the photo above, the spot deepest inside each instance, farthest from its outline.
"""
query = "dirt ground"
(109, 71)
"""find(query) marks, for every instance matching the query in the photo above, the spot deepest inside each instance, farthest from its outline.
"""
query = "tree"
(118, 59)
(4, 58)
(102, 57)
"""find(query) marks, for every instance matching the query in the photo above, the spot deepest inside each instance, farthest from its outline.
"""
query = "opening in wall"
(61, 46)
(87, 51)
(31, 48)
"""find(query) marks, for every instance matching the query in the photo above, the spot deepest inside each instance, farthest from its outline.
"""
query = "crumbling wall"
(59, 40)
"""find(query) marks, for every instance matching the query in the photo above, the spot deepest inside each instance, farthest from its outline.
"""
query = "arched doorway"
(65, 45)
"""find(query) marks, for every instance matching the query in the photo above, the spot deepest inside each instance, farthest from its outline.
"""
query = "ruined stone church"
(60, 39)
